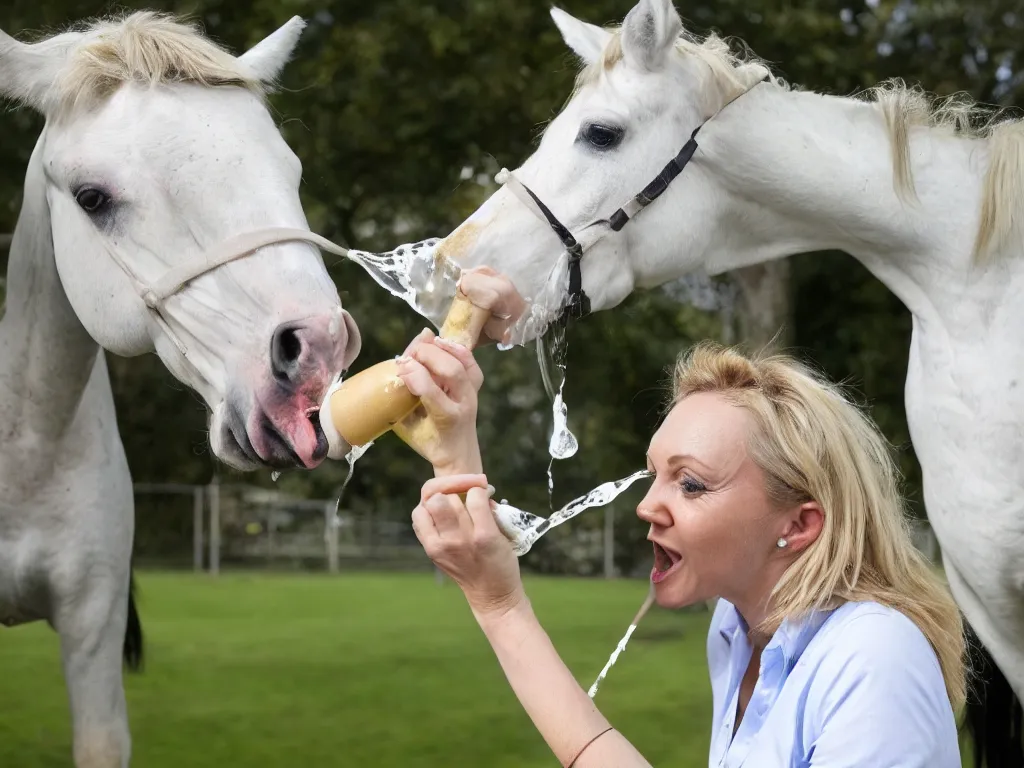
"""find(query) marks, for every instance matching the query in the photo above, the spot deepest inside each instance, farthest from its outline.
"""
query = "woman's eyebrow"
(677, 459)
(682, 458)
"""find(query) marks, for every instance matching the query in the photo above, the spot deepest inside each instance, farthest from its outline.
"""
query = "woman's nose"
(652, 511)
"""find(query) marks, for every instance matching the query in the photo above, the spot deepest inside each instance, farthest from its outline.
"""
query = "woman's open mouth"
(665, 562)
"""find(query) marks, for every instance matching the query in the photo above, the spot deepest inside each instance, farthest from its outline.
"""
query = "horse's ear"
(27, 72)
(586, 40)
(267, 58)
(649, 32)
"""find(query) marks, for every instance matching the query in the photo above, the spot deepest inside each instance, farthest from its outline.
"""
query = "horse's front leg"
(91, 624)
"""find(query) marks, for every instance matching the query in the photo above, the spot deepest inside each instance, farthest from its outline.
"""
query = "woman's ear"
(803, 527)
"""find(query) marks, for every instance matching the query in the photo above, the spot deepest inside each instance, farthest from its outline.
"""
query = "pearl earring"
(781, 543)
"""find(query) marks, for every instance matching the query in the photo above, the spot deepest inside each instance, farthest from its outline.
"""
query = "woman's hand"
(446, 378)
(492, 290)
(464, 541)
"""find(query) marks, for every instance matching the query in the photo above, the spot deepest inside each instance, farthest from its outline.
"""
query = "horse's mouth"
(259, 442)
(238, 446)
(288, 441)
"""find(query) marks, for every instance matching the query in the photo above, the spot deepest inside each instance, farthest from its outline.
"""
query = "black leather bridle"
(578, 303)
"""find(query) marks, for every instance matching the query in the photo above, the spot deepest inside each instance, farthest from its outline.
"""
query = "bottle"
(376, 401)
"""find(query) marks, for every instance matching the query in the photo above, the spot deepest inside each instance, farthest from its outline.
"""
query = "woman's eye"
(92, 200)
(689, 485)
(601, 136)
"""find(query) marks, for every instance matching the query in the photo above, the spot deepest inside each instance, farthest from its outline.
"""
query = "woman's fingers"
(448, 371)
(452, 484)
(464, 356)
(439, 372)
(422, 337)
(423, 527)
(478, 508)
(419, 381)
(490, 290)
(449, 516)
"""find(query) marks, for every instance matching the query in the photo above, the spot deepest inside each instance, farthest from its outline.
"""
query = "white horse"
(157, 162)
(933, 209)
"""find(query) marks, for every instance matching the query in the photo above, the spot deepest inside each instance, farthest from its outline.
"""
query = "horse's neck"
(46, 356)
(803, 172)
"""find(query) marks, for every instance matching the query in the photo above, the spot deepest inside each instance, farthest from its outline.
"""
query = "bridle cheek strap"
(657, 187)
(578, 303)
(240, 246)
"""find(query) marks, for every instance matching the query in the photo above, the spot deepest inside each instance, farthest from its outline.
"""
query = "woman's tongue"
(664, 559)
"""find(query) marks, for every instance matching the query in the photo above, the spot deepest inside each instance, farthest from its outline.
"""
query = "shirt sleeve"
(878, 700)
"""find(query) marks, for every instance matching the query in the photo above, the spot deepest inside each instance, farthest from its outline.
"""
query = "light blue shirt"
(855, 687)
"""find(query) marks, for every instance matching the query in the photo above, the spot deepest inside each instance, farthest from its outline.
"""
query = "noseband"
(578, 303)
(178, 277)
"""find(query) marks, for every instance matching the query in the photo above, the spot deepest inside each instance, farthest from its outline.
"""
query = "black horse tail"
(993, 715)
(133, 630)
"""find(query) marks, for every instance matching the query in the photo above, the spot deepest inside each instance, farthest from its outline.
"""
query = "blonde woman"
(833, 644)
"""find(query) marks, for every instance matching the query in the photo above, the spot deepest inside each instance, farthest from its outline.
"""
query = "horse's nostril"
(285, 350)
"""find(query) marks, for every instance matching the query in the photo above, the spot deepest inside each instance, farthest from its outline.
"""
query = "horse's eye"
(601, 136)
(92, 200)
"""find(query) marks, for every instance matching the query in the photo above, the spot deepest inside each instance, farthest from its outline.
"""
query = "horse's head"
(159, 154)
(643, 89)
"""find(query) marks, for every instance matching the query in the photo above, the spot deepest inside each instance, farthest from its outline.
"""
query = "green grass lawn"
(368, 670)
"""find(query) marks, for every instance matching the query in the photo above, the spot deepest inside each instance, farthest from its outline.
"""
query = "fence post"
(331, 536)
(197, 529)
(214, 491)
(609, 541)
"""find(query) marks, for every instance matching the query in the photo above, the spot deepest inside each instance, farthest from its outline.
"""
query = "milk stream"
(351, 457)
(563, 443)
(523, 529)
(622, 643)
(611, 661)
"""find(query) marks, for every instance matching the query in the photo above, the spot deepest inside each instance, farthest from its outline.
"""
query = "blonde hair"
(812, 442)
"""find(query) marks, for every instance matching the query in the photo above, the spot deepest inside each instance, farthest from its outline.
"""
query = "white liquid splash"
(351, 457)
(563, 443)
(622, 643)
(611, 661)
(413, 273)
(427, 282)
(523, 529)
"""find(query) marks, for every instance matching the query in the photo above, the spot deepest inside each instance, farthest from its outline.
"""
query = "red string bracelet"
(584, 747)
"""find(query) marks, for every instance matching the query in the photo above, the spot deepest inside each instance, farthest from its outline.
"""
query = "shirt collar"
(789, 640)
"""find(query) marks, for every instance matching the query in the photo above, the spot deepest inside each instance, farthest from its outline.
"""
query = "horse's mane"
(902, 107)
(147, 48)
